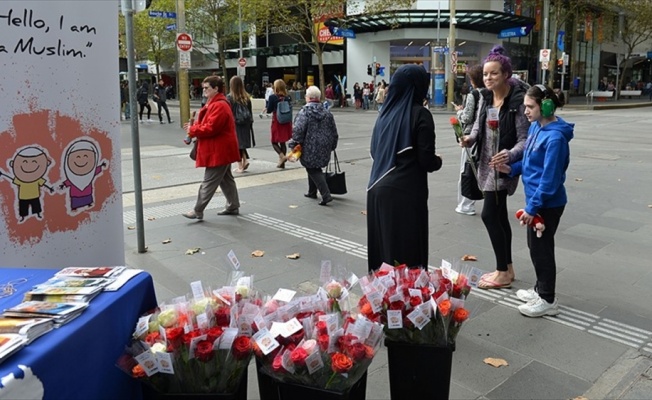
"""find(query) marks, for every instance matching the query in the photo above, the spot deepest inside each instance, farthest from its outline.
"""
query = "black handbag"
(469, 182)
(193, 151)
(335, 179)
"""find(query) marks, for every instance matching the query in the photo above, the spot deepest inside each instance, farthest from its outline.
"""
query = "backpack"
(242, 114)
(284, 112)
(141, 96)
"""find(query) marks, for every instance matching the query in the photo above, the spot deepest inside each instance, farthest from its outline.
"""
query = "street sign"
(242, 62)
(171, 27)
(162, 14)
(454, 61)
(544, 65)
(184, 42)
(347, 33)
(544, 55)
(519, 31)
(242, 71)
(441, 49)
(184, 60)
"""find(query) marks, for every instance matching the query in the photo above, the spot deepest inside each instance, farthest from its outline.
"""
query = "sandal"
(491, 284)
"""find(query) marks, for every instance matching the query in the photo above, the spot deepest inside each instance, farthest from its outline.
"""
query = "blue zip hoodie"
(543, 167)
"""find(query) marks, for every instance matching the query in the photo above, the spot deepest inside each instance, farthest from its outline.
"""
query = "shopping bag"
(335, 178)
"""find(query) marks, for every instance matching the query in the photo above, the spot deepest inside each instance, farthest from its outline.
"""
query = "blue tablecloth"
(78, 360)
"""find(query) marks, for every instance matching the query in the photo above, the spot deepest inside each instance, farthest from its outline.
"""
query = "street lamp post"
(451, 52)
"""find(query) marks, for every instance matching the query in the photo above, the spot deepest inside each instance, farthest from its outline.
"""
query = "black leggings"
(495, 218)
(280, 148)
(149, 110)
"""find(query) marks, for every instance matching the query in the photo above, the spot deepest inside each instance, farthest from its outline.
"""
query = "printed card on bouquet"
(164, 362)
(394, 319)
(314, 362)
(235, 263)
(418, 318)
(142, 326)
(493, 114)
(265, 341)
(287, 362)
(474, 276)
(285, 295)
(332, 322)
(227, 338)
(148, 361)
(197, 290)
(376, 301)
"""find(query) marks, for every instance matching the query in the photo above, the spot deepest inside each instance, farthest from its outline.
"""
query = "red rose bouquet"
(202, 345)
(457, 128)
(311, 341)
(416, 305)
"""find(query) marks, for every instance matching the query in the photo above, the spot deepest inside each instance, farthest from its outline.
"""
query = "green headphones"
(547, 105)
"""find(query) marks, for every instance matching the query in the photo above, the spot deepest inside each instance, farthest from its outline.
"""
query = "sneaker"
(162, 122)
(527, 295)
(538, 308)
(193, 215)
(170, 121)
(465, 212)
(149, 121)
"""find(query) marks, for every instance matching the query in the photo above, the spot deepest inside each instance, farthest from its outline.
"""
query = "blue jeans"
(365, 102)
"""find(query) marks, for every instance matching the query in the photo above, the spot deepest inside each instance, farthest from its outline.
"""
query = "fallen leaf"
(495, 362)
(363, 212)
(192, 251)
(151, 219)
(468, 257)
(578, 179)
(294, 256)
(131, 228)
(257, 253)
(166, 241)
(293, 206)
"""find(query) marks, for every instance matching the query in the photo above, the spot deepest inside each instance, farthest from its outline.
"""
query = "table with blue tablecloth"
(78, 360)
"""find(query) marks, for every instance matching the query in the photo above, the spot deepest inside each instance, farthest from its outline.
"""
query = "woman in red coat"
(281, 133)
(217, 148)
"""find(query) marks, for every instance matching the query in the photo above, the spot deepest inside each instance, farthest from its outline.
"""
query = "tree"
(635, 28)
(300, 19)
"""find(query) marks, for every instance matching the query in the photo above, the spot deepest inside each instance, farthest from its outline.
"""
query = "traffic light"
(377, 69)
(369, 70)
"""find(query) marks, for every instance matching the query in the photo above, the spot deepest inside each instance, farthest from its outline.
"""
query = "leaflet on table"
(65, 290)
(30, 328)
(121, 279)
(67, 281)
(59, 298)
(91, 272)
(61, 312)
(9, 344)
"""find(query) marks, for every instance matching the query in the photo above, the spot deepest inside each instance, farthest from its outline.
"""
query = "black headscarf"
(392, 133)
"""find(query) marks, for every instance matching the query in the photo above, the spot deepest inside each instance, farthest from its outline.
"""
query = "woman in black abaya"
(403, 152)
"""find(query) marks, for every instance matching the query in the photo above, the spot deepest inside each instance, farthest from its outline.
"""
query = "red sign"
(184, 42)
(242, 62)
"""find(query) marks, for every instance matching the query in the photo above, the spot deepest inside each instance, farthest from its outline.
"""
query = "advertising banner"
(60, 182)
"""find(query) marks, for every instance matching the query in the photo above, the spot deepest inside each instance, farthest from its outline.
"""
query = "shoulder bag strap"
(336, 164)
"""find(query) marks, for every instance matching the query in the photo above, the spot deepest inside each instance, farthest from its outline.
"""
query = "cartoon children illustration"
(80, 165)
(29, 166)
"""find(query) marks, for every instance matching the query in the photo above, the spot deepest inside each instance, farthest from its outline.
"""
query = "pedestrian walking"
(466, 114)
(281, 131)
(244, 122)
(142, 96)
(315, 131)
(543, 171)
(403, 153)
(217, 148)
(160, 97)
(500, 131)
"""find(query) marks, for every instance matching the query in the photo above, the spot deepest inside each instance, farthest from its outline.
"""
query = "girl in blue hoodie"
(543, 170)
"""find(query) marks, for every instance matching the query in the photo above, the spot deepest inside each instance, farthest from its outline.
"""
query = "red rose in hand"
(323, 341)
(454, 121)
(357, 351)
(241, 347)
(460, 315)
(204, 351)
(341, 363)
(298, 356)
(493, 125)
(174, 336)
(214, 333)
(223, 316)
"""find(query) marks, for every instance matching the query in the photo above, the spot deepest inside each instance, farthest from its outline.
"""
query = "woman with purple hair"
(500, 129)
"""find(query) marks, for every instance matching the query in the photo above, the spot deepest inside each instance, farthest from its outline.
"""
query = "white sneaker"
(149, 121)
(465, 212)
(539, 308)
(527, 295)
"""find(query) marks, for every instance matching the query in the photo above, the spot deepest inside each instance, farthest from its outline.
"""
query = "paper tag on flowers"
(376, 301)
(493, 114)
(197, 290)
(418, 319)
(265, 341)
(474, 276)
(314, 362)
(233, 259)
(142, 326)
(202, 321)
(286, 362)
(164, 362)
(285, 295)
(227, 338)
(147, 360)
(394, 319)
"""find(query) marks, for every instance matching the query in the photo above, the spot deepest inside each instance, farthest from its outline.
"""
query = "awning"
(479, 20)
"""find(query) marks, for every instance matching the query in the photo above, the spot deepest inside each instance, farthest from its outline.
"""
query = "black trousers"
(317, 181)
(496, 220)
(542, 253)
(163, 105)
(143, 106)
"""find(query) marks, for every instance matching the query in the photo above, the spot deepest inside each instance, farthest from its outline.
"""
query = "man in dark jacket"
(160, 98)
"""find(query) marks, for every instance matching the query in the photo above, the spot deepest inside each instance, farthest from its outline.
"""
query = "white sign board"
(60, 116)
(184, 60)
(544, 55)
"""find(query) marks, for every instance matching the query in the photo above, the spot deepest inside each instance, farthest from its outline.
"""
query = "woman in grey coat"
(314, 129)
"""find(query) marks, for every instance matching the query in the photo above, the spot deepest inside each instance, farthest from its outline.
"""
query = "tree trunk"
(322, 79)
